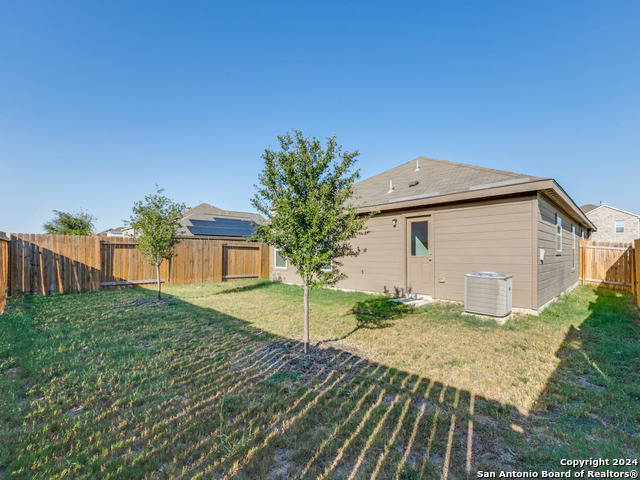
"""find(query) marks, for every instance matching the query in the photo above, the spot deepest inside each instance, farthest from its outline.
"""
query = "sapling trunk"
(158, 277)
(306, 317)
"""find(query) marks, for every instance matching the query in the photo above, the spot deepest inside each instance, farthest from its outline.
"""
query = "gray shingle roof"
(434, 177)
(588, 207)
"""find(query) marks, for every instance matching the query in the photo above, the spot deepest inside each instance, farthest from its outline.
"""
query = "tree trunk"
(306, 317)
(158, 276)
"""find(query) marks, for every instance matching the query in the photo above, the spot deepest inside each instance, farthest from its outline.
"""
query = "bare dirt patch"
(289, 359)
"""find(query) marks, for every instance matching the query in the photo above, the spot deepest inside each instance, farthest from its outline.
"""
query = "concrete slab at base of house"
(414, 300)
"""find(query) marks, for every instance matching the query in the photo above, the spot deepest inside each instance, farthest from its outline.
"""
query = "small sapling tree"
(305, 192)
(157, 221)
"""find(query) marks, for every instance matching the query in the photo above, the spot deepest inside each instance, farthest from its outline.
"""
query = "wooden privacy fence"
(610, 264)
(44, 264)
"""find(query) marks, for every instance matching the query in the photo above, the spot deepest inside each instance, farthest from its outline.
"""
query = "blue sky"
(99, 101)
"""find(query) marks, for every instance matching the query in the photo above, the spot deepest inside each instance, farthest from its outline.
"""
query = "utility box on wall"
(488, 293)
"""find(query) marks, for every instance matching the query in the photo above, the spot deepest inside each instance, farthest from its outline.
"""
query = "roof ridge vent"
(390, 186)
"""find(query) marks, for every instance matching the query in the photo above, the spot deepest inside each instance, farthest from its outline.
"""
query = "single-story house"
(438, 220)
(207, 221)
(613, 224)
(119, 232)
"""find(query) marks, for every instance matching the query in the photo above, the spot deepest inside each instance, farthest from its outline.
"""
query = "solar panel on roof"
(230, 227)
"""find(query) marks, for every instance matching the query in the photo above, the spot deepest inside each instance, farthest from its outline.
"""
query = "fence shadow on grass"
(185, 390)
(590, 407)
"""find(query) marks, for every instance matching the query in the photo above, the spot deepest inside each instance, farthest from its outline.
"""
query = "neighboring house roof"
(207, 220)
(112, 231)
(429, 181)
(612, 208)
(588, 207)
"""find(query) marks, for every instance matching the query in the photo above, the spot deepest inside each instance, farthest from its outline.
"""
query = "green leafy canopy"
(156, 221)
(306, 192)
(64, 223)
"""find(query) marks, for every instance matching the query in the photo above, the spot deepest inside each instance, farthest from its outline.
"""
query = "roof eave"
(492, 192)
(573, 206)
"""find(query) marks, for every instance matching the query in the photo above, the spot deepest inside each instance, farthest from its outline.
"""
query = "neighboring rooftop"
(428, 177)
(118, 230)
(588, 207)
(210, 221)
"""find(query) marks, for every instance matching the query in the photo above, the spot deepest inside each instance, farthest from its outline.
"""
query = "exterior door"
(420, 255)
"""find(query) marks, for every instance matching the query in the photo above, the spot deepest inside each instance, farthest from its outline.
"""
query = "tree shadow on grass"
(373, 314)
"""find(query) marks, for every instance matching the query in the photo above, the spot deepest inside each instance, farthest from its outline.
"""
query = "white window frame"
(573, 245)
(615, 226)
(275, 260)
(558, 234)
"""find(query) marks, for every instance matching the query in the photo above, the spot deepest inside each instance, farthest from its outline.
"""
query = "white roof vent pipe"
(390, 186)
(417, 165)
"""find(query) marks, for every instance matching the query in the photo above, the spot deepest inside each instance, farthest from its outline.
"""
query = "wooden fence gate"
(609, 264)
(241, 261)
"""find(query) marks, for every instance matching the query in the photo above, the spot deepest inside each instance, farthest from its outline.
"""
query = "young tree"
(63, 223)
(305, 192)
(157, 221)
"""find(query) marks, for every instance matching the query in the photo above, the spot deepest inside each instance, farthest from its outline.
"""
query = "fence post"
(5, 270)
(218, 260)
(636, 252)
(96, 262)
(581, 263)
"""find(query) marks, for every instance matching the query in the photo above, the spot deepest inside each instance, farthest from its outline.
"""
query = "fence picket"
(637, 270)
(5, 243)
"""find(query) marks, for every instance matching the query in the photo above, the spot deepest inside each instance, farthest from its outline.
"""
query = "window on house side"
(327, 268)
(620, 226)
(573, 244)
(558, 233)
(419, 239)
(281, 262)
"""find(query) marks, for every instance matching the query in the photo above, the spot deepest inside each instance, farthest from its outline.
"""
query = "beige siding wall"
(487, 236)
(494, 236)
(381, 268)
(378, 269)
(558, 271)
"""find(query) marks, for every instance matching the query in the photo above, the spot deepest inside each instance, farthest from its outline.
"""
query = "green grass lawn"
(212, 383)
